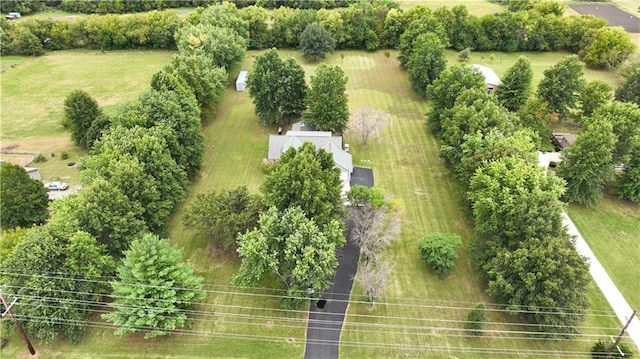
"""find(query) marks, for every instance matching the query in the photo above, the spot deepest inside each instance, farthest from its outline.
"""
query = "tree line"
(360, 25)
(140, 162)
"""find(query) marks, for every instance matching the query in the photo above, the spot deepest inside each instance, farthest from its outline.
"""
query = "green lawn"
(612, 230)
(250, 323)
(34, 88)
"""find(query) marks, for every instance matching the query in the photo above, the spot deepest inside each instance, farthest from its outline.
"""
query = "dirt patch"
(613, 15)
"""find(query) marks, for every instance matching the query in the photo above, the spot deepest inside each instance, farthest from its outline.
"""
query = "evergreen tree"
(315, 42)
(154, 290)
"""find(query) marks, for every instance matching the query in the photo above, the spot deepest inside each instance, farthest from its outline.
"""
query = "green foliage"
(292, 249)
(327, 99)
(222, 45)
(475, 320)
(440, 250)
(464, 55)
(307, 178)
(427, 23)
(256, 18)
(24, 200)
(108, 215)
(512, 201)
(426, 63)
(608, 47)
(630, 90)
(39, 158)
(202, 77)
(9, 239)
(561, 85)
(138, 162)
(225, 15)
(542, 273)
(479, 149)
(360, 195)
(59, 270)
(516, 85)
(586, 167)
(221, 217)
(475, 111)
(602, 348)
(277, 88)
(628, 183)
(81, 111)
(446, 88)
(315, 42)
(625, 118)
(21, 41)
(154, 290)
(595, 94)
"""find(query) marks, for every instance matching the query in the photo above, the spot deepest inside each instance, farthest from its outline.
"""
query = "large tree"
(54, 275)
(513, 200)
(204, 79)
(544, 280)
(561, 85)
(628, 182)
(307, 178)
(608, 47)
(630, 90)
(221, 216)
(222, 45)
(426, 23)
(315, 42)
(291, 248)
(426, 62)
(595, 94)
(155, 289)
(81, 113)
(24, 200)
(625, 118)
(327, 99)
(586, 166)
(277, 88)
(516, 85)
(447, 87)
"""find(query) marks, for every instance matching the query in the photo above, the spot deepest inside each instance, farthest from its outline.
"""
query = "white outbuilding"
(241, 82)
(491, 79)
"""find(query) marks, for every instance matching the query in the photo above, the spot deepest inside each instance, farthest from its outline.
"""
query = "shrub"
(64, 155)
(601, 349)
(553, 164)
(439, 250)
(464, 55)
(40, 158)
(475, 320)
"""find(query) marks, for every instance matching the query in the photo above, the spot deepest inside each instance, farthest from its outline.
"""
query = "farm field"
(250, 323)
(475, 7)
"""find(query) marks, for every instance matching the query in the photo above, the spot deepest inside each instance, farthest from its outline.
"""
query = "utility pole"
(615, 344)
(15, 321)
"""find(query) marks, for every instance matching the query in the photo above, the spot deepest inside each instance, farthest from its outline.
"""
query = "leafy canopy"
(24, 200)
(327, 99)
(315, 42)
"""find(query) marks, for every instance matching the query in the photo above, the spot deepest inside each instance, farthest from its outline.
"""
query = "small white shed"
(241, 82)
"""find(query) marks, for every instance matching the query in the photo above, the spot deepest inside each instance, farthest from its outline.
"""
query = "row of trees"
(140, 162)
(280, 93)
(121, 7)
(516, 208)
(361, 25)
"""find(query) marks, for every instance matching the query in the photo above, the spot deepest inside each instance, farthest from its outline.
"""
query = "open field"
(407, 167)
(475, 7)
(33, 92)
(612, 230)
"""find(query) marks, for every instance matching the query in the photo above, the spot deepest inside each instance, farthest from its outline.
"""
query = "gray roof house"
(491, 79)
(278, 144)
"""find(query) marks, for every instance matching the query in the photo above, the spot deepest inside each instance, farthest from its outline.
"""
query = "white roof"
(490, 77)
(242, 77)
(278, 144)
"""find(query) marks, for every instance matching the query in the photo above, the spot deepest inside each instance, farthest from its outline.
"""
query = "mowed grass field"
(232, 322)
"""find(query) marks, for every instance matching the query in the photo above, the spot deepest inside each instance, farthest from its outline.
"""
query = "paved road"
(325, 324)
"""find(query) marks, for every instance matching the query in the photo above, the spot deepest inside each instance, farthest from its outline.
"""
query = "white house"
(241, 82)
(278, 144)
(491, 79)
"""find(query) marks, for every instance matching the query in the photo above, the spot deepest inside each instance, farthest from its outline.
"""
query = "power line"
(448, 307)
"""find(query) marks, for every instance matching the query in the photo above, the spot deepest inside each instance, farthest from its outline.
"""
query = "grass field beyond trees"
(233, 322)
